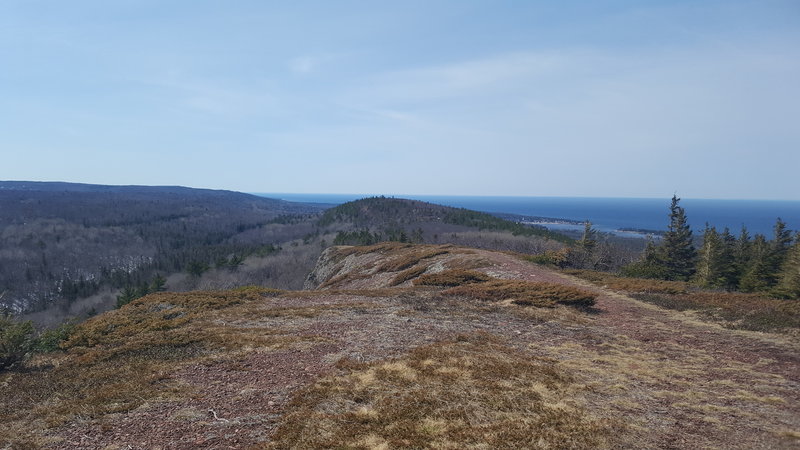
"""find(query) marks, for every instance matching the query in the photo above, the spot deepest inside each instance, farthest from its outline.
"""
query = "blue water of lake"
(609, 214)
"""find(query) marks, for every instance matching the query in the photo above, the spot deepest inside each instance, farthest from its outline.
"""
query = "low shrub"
(408, 274)
(17, 339)
(51, 340)
(643, 269)
(455, 277)
(558, 258)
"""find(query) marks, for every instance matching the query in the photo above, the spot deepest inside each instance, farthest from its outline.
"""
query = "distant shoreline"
(634, 217)
(548, 223)
(537, 220)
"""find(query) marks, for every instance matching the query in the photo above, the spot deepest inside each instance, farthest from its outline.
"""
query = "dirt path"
(680, 382)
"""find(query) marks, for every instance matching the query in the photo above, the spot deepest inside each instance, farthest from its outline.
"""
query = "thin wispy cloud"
(307, 64)
(472, 77)
(525, 99)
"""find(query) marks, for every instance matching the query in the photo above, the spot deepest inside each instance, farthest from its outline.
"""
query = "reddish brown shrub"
(455, 277)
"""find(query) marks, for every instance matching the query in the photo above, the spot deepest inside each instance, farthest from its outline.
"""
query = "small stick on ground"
(214, 413)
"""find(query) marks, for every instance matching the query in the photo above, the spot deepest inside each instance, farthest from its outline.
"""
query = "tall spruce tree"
(765, 267)
(710, 267)
(730, 277)
(677, 249)
(589, 239)
(159, 284)
(779, 248)
(789, 283)
(582, 255)
(743, 253)
(757, 273)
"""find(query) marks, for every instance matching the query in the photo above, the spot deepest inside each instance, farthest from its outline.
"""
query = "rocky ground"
(645, 377)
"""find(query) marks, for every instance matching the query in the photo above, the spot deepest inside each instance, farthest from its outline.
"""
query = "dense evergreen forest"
(723, 261)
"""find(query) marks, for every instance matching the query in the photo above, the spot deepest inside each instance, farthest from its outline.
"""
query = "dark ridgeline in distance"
(64, 241)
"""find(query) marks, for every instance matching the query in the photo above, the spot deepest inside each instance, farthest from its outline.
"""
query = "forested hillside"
(62, 241)
(380, 218)
(367, 221)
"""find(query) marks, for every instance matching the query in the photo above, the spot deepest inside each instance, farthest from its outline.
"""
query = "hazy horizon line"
(607, 197)
(364, 195)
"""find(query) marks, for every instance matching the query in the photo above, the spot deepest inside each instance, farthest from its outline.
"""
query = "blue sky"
(543, 98)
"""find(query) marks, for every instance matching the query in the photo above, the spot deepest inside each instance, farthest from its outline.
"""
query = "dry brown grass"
(410, 257)
(631, 380)
(734, 309)
(626, 284)
(122, 359)
(408, 274)
(382, 247)
(561, 314)
(347, 276)
(260, 315)
(455, 277)
(525, 293)
(473, 392)
(393, 257)
(468, 263)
